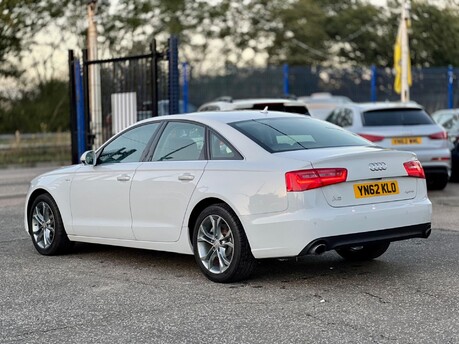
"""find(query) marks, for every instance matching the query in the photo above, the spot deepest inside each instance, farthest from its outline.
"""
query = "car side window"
(180, 141)
(129, 146)
(220, 149)
(332, 118)
(345, 119)
(210, 108)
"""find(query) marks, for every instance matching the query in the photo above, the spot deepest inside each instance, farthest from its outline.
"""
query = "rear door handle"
(123, 178)
(186, 176)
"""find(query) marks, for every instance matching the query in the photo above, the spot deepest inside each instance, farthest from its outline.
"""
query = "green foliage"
(298, 32)
(44, 108)
(434, 36)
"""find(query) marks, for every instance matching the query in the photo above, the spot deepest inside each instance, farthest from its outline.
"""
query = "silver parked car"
(449, 119)
(401, 126)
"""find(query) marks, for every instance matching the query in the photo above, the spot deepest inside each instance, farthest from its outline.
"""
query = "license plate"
(407, 140)
(374, 189)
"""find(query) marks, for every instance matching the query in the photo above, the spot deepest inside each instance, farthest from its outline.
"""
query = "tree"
(434, 36)
(43, 108)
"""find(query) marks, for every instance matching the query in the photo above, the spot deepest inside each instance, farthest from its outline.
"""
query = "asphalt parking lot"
(102, 294)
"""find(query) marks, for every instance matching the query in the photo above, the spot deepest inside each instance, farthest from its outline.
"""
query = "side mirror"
(88, 158)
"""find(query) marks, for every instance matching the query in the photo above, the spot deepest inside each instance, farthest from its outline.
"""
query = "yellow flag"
(398, 62)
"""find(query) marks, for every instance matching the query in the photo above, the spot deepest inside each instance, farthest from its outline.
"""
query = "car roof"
(385, 105)
(227, 116)
(446, 111)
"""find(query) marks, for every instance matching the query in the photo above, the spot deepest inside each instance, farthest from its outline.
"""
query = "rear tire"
(46, 228)
(364, 252)
(220, 245)
(437, 182)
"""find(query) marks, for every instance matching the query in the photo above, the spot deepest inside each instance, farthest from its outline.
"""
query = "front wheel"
(364, 252)
(46, 227)
(220, 245)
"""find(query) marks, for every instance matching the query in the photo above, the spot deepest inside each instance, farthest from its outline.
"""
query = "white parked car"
(231, 188)
(401, 126)
(322, 103)
(273, 104)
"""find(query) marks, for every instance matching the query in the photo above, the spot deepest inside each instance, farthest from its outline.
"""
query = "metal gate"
(109, 94)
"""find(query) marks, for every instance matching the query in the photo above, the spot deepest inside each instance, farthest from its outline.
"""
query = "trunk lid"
(375, 175)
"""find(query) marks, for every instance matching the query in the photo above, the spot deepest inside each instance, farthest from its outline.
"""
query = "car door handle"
(123, 178)
(186, 176)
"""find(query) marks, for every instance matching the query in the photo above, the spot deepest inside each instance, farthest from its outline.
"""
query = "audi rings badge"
(377, 166)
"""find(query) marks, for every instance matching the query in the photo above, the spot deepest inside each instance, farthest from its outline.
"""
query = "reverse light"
(372, 138)
(414, 169)
(314, 178)
(442, 135)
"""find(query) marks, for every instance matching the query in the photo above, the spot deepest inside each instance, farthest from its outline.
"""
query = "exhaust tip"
(427, 233)
(318, 249)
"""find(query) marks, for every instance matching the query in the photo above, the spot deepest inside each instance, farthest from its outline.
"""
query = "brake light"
(372, 138)
(414, 169)
(442, 135)
(314, 178)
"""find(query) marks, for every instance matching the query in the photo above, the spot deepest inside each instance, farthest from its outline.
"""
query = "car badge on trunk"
(377, 166)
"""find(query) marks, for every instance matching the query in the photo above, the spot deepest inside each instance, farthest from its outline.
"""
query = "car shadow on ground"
(268, 271)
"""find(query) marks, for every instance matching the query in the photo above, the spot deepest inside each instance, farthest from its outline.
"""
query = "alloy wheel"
(43, 225)
(215, 243)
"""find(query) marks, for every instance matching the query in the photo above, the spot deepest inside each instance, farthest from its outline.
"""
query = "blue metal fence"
(434, 88)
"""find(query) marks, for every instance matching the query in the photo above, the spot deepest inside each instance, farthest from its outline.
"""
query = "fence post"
(450, 87)
(185, 87)
(285, 78)
(173, 76)
(73, 106)
(154, 79)
(373, 96)
(80, 119)
(89, 137)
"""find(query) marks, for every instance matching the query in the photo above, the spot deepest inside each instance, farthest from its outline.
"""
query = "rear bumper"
(394, 234)
(287, 234)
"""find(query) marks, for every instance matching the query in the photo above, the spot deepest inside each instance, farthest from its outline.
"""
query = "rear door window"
(392, 117)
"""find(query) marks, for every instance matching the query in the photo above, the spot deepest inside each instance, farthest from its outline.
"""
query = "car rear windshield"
(390, 117)
(296, 133)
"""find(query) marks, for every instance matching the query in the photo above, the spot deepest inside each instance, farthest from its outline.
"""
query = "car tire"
(46, 227)
(437, 182)
(220, 245)
(364, 252)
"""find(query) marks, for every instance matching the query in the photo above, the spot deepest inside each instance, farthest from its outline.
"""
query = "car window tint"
(210, 108)
(333, 116)
(391, 117)
(220, 149)
(296, 133)
(301, 109)
(129, 146)
(180, 141)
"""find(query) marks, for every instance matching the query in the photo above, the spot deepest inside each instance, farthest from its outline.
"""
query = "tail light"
(442, 135)
(414, 169)
(372, 138)
(314, 178)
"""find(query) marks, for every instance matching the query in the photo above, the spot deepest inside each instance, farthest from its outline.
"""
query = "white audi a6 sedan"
(231, 188)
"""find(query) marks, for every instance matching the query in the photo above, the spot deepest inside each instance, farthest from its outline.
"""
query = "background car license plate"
(407, 140)
(385, 188)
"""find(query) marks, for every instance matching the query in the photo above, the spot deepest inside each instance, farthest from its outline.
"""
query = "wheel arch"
(198, 208)
(31, 199)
